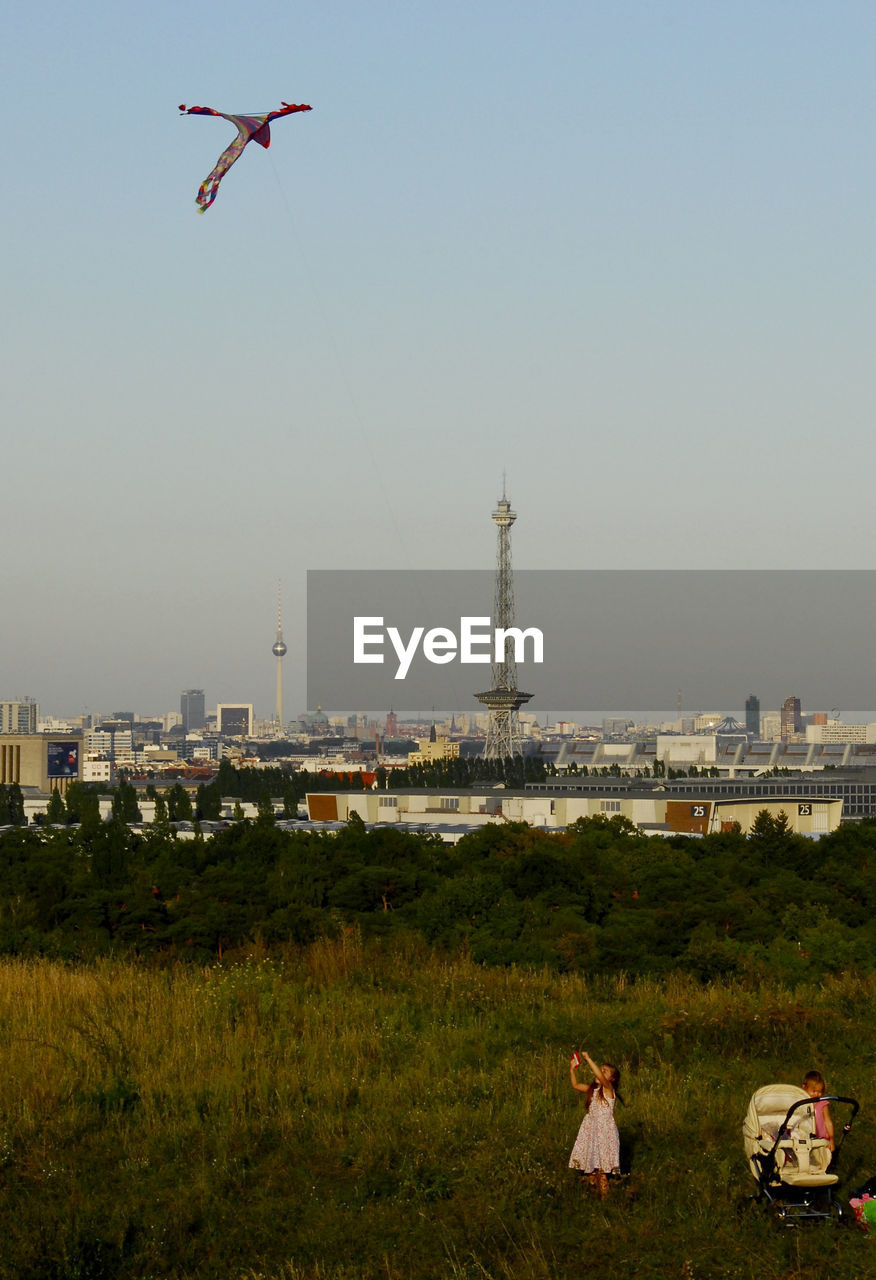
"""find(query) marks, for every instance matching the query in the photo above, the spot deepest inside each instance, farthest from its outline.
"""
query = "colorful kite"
(249, 129)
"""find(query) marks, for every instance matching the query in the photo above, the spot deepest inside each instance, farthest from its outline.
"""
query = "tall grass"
(350, 1113)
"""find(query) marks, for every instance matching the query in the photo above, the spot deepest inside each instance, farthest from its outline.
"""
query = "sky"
(621, 253)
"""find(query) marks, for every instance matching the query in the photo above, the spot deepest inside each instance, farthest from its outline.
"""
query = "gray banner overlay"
(614, 639)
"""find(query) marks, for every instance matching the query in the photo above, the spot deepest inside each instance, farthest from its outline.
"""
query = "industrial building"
(653, 810)
(855, 789)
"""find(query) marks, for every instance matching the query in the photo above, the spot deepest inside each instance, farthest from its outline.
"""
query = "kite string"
(342, 367)
(402, 542)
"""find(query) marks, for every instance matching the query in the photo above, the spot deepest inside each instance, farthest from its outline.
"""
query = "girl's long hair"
(593, 1088)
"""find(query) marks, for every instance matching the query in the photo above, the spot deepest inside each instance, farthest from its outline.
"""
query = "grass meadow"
(361, 1112)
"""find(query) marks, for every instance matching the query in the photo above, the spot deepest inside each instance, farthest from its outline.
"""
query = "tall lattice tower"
(504, 699)
(279, 651)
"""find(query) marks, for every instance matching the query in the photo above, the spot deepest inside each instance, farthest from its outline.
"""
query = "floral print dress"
(597, 1146)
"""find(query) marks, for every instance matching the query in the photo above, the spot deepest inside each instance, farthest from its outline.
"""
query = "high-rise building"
(752, 715)
(792, 719)
(19, 717)
(234, 720)
(771, 726)
(112, 738)
(191, 705)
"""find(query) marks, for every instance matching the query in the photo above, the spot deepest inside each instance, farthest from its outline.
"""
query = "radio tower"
(504, 699)
(279, 652)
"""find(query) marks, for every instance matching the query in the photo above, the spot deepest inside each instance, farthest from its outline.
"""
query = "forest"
(597, 897)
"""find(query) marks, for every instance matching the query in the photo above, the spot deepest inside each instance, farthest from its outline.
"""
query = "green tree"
(227, 779)
(266, 812)
(109, 847)
(209, 801)
(16, 806)
(56, 812)
(768, 827)
(179, 804)
(125, 803)
(82, 804)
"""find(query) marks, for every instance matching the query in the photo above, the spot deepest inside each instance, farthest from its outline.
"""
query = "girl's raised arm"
(605, 1082)
(573, 1075)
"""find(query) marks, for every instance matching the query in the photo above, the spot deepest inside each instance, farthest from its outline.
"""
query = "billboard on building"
(62, 759)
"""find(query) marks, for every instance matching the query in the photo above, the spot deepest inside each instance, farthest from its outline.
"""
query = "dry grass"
(347, 1114)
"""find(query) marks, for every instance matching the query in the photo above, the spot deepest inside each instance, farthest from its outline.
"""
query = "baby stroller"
(793, 1168)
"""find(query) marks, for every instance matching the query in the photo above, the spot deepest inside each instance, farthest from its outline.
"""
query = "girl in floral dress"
(597, 1147)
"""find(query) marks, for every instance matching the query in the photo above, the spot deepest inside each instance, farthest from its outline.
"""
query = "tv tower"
(279, 652)
(504, 699)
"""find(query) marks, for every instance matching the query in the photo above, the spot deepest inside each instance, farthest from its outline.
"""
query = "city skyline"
(563, 720)
(622, 252)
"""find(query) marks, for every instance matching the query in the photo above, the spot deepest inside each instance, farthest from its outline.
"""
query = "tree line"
(597, 897)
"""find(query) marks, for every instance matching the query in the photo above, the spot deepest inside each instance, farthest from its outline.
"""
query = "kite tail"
(209, 187)
(206, 193)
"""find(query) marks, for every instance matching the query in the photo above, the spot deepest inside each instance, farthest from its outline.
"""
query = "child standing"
(597, 1146)
(814, 1085)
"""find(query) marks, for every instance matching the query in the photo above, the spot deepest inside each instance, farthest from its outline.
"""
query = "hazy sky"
(623, 251)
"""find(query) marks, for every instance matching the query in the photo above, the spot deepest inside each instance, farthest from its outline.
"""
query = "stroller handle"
(828, 1097)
